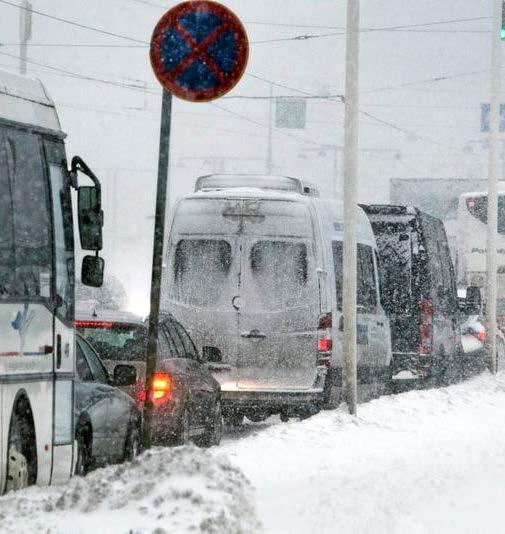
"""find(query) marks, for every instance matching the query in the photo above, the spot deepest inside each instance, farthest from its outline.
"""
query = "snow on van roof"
(248, 192)
(332, 219)
(25, 101)
(501, 190)
(212, 182)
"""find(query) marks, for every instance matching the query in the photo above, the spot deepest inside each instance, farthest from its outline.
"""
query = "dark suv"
(419, 293)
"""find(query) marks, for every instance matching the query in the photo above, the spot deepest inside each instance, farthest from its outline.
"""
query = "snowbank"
(183, 489)
(422, 461)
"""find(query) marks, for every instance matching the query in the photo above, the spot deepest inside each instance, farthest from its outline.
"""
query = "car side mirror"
(92, 271)
(90, 215)
(211, 355)
(124, 375)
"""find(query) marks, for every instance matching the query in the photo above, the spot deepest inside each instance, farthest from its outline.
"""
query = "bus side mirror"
(92, 271)
(90, 215)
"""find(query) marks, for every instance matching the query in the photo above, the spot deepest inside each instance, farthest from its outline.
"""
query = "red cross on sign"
(199, 50)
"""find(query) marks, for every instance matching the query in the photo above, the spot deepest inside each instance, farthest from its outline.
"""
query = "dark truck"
(418, 293)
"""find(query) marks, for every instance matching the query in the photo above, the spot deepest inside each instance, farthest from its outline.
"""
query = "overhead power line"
(73, 23)
(79, 76)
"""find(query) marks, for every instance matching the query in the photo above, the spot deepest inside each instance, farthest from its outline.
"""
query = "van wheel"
(332, 395)
(214, 430)
(233, 419)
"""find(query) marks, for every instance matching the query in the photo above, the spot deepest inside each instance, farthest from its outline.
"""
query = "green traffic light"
(502, 35)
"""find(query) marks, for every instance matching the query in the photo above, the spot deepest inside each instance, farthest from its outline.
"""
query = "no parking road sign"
(199, 50)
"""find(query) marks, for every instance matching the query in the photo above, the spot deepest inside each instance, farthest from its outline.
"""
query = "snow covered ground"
(418, 462)
(422, 461)
(164, 491)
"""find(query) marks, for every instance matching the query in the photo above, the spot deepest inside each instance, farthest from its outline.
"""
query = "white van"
(254, 272)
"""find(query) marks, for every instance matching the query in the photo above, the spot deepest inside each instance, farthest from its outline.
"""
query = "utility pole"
(25, 34)
(351, 151)
(157, 266)
(492, 190)
(270, 130)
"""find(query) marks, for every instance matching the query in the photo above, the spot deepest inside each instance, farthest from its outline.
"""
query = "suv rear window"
(397, 242)
(115, 341)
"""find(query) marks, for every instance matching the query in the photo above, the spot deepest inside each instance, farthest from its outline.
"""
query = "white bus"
(471, 244)
(37, 356)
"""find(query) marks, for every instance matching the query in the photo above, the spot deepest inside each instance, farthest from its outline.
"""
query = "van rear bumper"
(411, 366)
(270, 401)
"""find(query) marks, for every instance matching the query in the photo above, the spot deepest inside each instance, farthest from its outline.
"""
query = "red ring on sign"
(171, 20)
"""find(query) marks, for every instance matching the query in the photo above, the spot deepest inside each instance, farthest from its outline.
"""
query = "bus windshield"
(25, 247)
(477, 206)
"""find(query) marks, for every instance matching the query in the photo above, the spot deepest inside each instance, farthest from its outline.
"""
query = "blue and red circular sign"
(199, 50)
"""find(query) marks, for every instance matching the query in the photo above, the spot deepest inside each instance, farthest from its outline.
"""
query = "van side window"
(337, 250)
(366, 297)
(367, 287)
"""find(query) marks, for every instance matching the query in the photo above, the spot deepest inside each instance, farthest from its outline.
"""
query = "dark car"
(108, 422)
(186, 397)
(118, 337)
(419, 294)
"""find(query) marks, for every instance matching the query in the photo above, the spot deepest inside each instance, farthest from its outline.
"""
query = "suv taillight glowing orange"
(161, 388)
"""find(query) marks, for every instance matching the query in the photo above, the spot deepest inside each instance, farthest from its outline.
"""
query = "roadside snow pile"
(183, 489)
(418, 462)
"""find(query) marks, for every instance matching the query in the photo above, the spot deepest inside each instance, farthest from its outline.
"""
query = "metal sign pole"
(492, 190)
(159, 236)
(350, 204)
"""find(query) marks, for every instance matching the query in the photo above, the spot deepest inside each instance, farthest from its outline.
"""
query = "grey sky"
(419, 129)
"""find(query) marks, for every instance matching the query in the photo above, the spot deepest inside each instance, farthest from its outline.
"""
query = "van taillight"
(324, 340)
(426, 326)
(161, 388)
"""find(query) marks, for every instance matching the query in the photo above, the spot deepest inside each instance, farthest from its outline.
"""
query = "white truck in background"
(37, 263)
(439, 197)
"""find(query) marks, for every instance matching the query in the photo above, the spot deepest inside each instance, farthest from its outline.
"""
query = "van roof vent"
(217, 182)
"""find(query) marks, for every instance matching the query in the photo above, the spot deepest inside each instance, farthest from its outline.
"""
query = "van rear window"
(200, 271)
(279, 273)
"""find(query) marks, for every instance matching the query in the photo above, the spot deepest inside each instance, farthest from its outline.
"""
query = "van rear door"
(277, 318)
(241, 278)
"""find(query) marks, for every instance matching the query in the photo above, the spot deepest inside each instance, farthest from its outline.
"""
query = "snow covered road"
(422, 461)
(418, 462)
